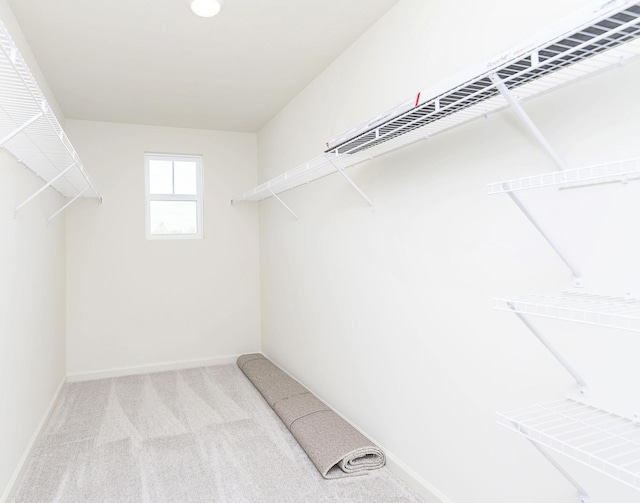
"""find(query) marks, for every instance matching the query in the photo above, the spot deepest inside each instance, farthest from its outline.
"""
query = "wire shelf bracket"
(577, 276)
(352, 183)
(69, 203)
(583, 497)
(599, 310)
(582, 385)
(41, 189)
(286, 207)
(514, 103)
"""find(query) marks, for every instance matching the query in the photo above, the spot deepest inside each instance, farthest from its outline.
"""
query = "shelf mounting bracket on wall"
(41, 189)
(284, 204)
(67, 205)
(351, 182)
(514, 103)
(577, 277)
(583, 497)
(582, 385)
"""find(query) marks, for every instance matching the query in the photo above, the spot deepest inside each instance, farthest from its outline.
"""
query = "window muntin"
(173, 196)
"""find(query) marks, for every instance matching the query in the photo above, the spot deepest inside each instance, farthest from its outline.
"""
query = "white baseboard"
(415, 481)
(148, 369)
(12, 486)
(402, 471)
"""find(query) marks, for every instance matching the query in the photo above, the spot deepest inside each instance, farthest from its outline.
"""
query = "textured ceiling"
(154, 62)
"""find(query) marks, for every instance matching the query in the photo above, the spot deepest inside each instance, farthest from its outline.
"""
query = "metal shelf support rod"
(582, 385)
(583, 497)
(66, 205)
(39, 191)
(560, 165)
(526, 120)
(574, 270)
(284, 204)
(352, 183)
(19, 130)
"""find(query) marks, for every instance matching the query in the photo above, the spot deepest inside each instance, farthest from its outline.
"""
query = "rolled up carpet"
(335, 447)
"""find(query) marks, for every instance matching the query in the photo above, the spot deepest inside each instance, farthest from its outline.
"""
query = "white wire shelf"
(602, 440)
(618, 171)
(605, 40)
(30, 131)
(600, 310)
(317, 168)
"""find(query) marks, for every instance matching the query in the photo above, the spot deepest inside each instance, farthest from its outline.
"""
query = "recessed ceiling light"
(206, 8)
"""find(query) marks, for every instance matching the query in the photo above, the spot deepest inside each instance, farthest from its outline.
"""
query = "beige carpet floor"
(197, 435)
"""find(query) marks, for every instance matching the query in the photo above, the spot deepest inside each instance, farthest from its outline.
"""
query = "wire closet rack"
(617, 171)
(600, 439)
(30, 131)
(584, 46)
(604, 441)
(599, 310)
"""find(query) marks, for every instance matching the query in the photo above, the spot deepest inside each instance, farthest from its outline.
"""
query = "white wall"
(387, 315)
(134, 302)
(32, 298)
(32, 310)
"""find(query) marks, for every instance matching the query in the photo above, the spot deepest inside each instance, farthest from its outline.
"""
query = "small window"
(174, 196)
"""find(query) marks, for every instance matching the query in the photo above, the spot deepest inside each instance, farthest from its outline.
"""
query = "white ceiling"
(154, 62)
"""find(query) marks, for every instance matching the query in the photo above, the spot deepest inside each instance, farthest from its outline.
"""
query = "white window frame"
(150, 156)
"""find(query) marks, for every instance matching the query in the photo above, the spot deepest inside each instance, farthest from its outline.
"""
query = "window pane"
(185, 177)
(160, 177)
(173, 217)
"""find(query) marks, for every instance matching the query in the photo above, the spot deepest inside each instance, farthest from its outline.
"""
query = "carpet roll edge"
(348, 461)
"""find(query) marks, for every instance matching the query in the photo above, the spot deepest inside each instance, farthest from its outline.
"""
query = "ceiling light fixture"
(206, 8)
